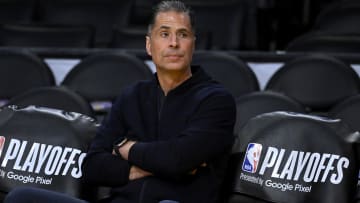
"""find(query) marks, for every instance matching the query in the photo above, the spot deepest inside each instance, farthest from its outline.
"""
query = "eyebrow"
(164, 27)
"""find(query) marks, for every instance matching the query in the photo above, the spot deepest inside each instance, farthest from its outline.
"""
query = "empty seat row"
(247, 110)
(335, 30)
(77, 36)
(317, 81)
(99, 79)
(248, 105)
(110, 21)
(50, 35)
(267, 120)
(101, 16)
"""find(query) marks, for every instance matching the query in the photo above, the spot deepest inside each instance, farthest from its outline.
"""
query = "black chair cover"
(289, 157)
(43, 147)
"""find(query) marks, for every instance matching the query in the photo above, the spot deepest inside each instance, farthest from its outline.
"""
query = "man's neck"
(170, 80)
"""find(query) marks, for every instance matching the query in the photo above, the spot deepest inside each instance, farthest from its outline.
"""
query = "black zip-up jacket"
(175, 134)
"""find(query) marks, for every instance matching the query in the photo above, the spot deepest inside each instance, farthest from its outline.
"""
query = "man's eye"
(183, 35)
(164, 34)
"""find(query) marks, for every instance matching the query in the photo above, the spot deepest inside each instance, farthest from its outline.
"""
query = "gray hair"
(172, 5)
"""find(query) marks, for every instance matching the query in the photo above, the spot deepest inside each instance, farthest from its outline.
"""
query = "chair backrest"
(17, 11)
(339, 17)
(229, 70)
(55, 97)
(231, 17)
(43, 147)
(141, 11)
(325, 42)
(289, 157)
(101, 14)
(317, 81)
(129, 37)
(101, 77)
(68, 36)
(348, 110)
(256, 103)
(21, 71)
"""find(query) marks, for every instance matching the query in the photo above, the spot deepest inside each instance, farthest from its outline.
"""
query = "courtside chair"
(21, 71)
(348, 110)
(251, 105)
(336, 29)
(229, 70)
(54, 141)
(102, 15)
(17, 11)
(317, 81)
(228, 23)
(265, 165)
(129, 37)
(101, 77)
(56, 97)
(256, 103)
(339, 17)
(41, 35)
(318, 41)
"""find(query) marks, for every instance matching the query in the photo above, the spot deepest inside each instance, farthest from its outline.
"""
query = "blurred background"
(266, 25)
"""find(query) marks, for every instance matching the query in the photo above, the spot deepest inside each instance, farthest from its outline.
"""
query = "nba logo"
(252, 157)
(2, 143)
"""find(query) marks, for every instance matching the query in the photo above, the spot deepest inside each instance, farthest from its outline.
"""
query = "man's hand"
(124, 149)
(136, 173)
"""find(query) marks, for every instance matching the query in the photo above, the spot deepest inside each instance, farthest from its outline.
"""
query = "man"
(165, 139)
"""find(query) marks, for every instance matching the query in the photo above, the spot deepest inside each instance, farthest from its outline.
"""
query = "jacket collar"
(198, 76)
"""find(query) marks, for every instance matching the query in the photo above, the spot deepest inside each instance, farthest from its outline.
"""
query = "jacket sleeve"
(100, 167)
(208, 136)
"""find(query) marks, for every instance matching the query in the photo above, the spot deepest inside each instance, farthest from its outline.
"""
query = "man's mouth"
(173, 57)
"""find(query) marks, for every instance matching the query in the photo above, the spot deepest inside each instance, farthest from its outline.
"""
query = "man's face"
(171, 42)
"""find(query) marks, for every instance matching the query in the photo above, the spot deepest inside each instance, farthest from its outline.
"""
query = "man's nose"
(174, 41)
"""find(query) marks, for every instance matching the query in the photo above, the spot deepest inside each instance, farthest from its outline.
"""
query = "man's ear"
(148, 45)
